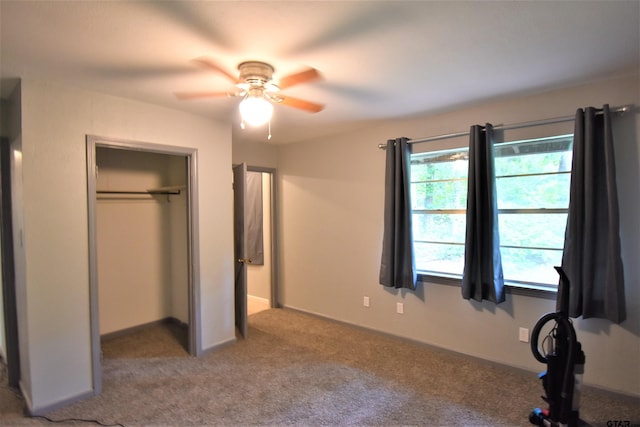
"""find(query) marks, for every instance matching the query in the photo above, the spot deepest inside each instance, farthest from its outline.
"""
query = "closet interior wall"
(141, 239)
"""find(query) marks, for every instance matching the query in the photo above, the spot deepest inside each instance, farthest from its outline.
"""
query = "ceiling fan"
(256, 85)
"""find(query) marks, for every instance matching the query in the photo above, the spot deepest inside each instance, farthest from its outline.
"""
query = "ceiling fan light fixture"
(256, 110)
(258, 91)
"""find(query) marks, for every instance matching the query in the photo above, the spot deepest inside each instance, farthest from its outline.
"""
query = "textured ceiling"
(379, 60)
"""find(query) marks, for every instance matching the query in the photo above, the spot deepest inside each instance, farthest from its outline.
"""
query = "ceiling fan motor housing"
(255, 72)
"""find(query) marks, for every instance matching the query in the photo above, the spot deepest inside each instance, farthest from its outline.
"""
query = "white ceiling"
(380, 59)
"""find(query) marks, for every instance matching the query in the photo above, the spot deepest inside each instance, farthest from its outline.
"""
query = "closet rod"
(616, 110)
(139, 192)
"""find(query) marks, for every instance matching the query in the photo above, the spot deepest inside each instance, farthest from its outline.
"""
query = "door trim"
(92, 142)
(9, 302)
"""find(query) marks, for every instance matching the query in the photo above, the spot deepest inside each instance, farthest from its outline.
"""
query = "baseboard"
(27, 400)
(218, 346)
(42, 410)
(258, 299)
(613, 393)
(31, 411)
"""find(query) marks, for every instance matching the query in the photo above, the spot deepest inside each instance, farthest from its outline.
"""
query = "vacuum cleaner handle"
(535, 334)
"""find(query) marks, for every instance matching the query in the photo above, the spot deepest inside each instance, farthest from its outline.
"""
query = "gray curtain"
(482, 277)
(397, 268)
(591, 257)
(254, 220)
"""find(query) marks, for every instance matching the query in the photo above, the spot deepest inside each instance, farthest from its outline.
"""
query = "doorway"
(256, 232)
(142, 223)
(259, 270)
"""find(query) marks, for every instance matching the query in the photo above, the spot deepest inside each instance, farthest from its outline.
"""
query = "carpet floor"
(296, 369)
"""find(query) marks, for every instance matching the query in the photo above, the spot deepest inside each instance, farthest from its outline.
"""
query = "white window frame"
(519, 286)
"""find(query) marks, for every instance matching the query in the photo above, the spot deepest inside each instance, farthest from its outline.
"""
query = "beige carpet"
(168, 339)
(297, 369)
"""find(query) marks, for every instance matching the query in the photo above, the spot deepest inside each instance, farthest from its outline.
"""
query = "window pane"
(447, 228)
(529, 265)
(531, 176)
(439, 258)
(533, 192)
(439, 195)
(534, 156)
(533, 163)
(532, 230)
(439, 165)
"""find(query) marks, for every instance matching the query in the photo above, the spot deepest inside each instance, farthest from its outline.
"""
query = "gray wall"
(261, 154)
(331, 229)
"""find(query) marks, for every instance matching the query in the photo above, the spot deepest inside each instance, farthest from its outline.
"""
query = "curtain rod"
(616, 110)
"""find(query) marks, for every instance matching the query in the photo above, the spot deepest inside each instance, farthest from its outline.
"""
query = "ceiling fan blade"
(198, 95)
(301, 104)
(212, 65)
(304, 76)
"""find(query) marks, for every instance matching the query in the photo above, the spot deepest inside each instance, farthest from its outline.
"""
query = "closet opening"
(142, 224)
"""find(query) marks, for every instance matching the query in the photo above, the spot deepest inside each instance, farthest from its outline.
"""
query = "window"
(532, 186)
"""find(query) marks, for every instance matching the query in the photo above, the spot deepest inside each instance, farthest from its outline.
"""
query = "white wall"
(55, 293)
(331, 230)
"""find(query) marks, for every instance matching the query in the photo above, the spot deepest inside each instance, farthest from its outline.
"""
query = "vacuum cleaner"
(565, 359)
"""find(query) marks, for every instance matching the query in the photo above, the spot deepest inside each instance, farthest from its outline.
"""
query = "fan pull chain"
(269, 136)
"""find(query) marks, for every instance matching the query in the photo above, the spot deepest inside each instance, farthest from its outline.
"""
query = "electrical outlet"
(400, 308)
(365, 301)
(524, 334)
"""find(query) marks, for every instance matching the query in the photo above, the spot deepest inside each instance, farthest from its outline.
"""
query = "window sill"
(512, 289)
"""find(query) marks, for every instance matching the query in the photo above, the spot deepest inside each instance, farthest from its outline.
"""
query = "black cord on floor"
(3, 375)
(80, 420)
